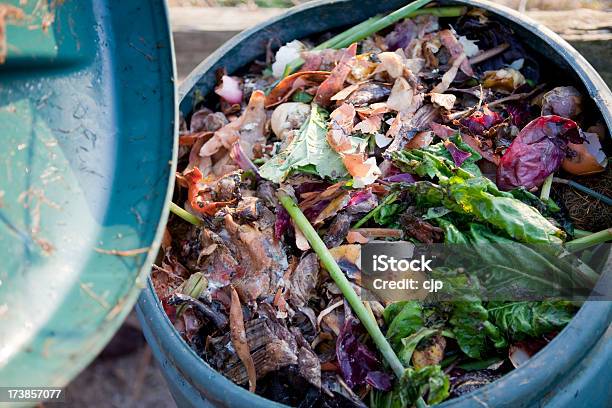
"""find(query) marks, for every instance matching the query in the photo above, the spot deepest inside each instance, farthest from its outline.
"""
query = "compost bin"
(570, 371)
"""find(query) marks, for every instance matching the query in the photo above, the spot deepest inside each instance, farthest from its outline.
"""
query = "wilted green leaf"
(429, 383)
(472, 328)
(308, 152)
(410, 343)
(388, 214)
(464, 190)
(531, 319)
(406, 321)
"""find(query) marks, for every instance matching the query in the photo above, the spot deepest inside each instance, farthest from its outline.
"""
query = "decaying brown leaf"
(239, 339)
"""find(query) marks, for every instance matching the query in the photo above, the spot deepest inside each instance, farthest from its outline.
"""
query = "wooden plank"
(219, 18)
(192, 47)
(577, 25)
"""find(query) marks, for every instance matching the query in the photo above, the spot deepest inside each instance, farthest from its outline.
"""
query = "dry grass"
(586, 212)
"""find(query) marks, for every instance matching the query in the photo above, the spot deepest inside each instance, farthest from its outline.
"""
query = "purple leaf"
(401, 35)
(356, 361)
(309, 187)
(480, 121)
(282, 223)
(313, 211)
(401, 178)
(458, 155)
(380, 380)
(359, 197)
(520, 113)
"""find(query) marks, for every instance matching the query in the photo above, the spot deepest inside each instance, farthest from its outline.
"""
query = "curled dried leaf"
(446, 101)
(503, 80)
(370, 125)
(401, 96)
(449, 76)
(288, 85)
(335, 82)
(239, 339)
(456, 49)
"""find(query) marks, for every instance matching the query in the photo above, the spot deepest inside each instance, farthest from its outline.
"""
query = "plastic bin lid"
(87, 125)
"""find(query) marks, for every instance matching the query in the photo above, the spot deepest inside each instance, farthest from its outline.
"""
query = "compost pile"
(436, 127)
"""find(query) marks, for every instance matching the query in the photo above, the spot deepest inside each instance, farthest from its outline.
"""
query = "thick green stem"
(409, 10)
(578, 233)
(545, 193)
(343, 283)
(388, 200)
(334, 41)
(444, 12)
(190, 218)
(589, 241)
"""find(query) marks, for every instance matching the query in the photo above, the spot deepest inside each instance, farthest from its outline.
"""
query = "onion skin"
(288, 116)
(583, 161)
(229, 90)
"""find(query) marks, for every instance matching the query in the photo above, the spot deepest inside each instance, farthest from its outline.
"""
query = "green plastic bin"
(572, 371)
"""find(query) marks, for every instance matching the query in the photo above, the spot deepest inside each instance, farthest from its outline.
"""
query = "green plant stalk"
(388, 200)
(337, 39)
(578, 233)
(194, 286)
(409, 10)
(190, 218)
(545, 193)
(375, 24)
(607, 200)
(444, 12)
(343, 283)
(589, 241)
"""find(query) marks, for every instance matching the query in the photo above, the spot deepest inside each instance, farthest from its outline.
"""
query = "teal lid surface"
(88, 134)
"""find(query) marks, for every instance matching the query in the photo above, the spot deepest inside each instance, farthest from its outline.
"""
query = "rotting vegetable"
(430, 125)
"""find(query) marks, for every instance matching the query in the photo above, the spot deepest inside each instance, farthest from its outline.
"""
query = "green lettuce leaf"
(410, 343)
(388, 214)
(465, 191)
(406, 321)
(435, 161)
(308, 152)
(478, 197)
(506, 266)
(472, 328)
(428, 383)
(531, 319)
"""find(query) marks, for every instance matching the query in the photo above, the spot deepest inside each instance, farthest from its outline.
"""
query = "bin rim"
(514, 388)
